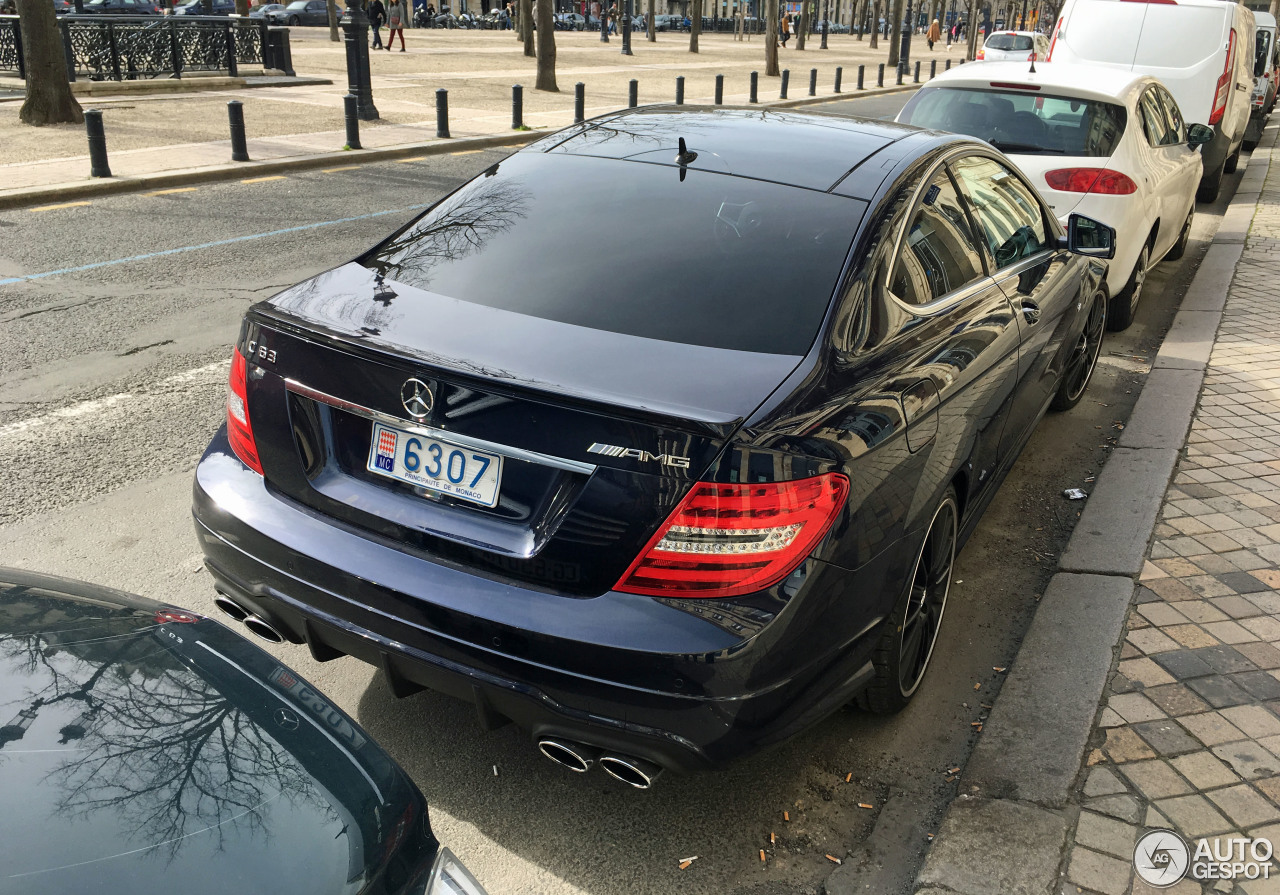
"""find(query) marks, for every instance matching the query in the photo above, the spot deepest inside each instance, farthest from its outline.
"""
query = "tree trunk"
(895, 17)
(650, 29)
(49, 99)
(546, 47)
(875, 24)
(695, 25)
(804, 24)
(334, 34)
(971, 30)
(771, 39)
(526, 22)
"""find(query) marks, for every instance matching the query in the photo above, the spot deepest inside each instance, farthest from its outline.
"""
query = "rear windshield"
(635, 248)
(1020, 121)
(1009, 42)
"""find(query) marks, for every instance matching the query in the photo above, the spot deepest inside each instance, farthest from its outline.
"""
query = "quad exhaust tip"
(256, 624)
(577, 757)
(632, 771)
(230, 607)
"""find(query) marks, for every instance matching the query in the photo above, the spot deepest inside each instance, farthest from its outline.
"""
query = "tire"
(1120, 311)
(1179, 248)
(1229, 166)
(293, 20)
(1249, 145)
(1084, 357)
(1209, 187)
(902, 656)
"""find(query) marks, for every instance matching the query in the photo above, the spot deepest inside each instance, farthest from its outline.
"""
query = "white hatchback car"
(1014, 46)
(1108, 144)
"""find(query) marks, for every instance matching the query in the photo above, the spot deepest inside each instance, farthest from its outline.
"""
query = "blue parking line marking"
(208, 245)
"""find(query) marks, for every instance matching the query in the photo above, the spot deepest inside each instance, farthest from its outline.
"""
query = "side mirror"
(1198, 135)
(1090, 238)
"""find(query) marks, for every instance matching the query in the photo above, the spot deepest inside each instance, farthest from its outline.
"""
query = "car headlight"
(449, 877)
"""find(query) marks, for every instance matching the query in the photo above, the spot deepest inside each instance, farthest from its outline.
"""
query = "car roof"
(1020, 33)
(811, 150)
(1083, 81)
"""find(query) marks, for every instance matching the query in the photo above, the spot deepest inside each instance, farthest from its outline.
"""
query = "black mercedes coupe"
(659, 437)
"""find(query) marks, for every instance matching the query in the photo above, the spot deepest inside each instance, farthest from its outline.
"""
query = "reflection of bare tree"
(454, 229)
(158, 744)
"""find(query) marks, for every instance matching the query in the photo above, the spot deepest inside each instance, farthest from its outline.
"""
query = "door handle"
(1031, 311)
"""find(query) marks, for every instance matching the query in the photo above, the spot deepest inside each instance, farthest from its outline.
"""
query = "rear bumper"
(638, 676)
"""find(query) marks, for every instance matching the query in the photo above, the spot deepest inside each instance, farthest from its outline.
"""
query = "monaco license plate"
(461, 472)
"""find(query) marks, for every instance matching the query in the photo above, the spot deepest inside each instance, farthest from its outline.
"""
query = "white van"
(1265, 78)
(1201, 49)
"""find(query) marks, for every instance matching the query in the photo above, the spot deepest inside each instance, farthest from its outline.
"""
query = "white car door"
(1164, 161)
(1190, 166)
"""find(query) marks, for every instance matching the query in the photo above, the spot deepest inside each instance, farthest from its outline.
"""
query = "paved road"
(116, 320)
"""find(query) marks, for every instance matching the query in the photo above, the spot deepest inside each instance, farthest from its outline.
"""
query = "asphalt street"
(116, 322)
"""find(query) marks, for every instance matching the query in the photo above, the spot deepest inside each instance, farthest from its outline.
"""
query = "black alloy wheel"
(1184, 238)
(1084, 357)
(902, 656)
(1120, 314)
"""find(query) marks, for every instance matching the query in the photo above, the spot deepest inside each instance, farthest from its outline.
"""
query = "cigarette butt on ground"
(865, 805)
(848, 777)
(773, 840)
(786, 815)
(997, 668)
(684, 864)
(762, 856)
(977, 686)
(834, 860)
(955, 770)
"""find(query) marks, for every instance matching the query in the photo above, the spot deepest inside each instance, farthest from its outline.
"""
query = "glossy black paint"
(144, 749)
(513, 608)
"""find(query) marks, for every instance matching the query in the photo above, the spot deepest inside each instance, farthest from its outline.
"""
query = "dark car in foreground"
(145, 750)
(301, 12)
(667, 512)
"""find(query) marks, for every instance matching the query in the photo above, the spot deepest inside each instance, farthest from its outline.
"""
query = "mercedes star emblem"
(286, 719)
(416, 397)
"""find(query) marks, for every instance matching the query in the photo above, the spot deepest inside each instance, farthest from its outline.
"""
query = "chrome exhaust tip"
(577, 757)
(632, 771)
(263, 629)
(230, 607)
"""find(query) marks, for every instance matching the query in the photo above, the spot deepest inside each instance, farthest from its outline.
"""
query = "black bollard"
(517, 107)
(442, 113)
(813, 82)
(786, 78)
(755, 84)
(899, 75)
(947, 67)
(719, 90)
(98, 166)
(350, 105)
(579, 102)
(880, 76)
(633, 94)
(839, 74)
(235, 115)
(680, 90)
(933, 69)
(915, 75)
(862, 70)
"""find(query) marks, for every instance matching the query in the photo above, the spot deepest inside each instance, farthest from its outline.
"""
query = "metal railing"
(119, 48)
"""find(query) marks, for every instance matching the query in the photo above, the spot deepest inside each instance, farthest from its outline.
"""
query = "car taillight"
(729, 539)
(982, 54)
(1224, 82)
(1053, 43)
(239, 430)
(1098, 181)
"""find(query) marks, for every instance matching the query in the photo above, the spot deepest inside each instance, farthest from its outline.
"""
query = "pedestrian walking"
(613, 19)
(508, 15)
(786, 29)
(377, 18)
(397, 13)
(935, 34)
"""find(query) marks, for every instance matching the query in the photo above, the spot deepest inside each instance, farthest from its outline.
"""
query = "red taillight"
(982, 54)
(1053, 43)
(729, 539)
(174, 617)
(1098, 181)
(239, 431)
(1009, 85)
(1224, 82)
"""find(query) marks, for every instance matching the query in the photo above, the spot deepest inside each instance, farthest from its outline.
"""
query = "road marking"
(179, 189)
(209, 245)
(336, 170)
(63, 205)
(416, 158)
(263, 179)
(468, 152)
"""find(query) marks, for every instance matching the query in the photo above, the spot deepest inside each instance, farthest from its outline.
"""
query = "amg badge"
(613, 450)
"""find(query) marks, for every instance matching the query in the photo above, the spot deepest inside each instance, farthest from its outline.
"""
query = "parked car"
(679, 525)
(146, 744)
(574, 20)
(62, 7)
(1094, 141)
(1266, 79)
(664, 22)
(301, 12)
(265, 10)
(1199, 49)
(121, 7)
(1014, 46)
(199, 8)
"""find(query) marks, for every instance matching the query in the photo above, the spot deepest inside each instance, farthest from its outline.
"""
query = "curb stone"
(87, 188)
(977, 849)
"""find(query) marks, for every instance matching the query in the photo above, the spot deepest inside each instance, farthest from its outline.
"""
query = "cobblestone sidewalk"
(1189, 738)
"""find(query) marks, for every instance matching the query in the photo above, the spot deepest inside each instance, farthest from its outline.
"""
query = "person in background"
(397, 13)
(786, 29)
(934, 35)
(377, 18)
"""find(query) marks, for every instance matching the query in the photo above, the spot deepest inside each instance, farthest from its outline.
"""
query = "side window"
(1177, 127)
(938, 253)
(1154, 124)
(1008, 211)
